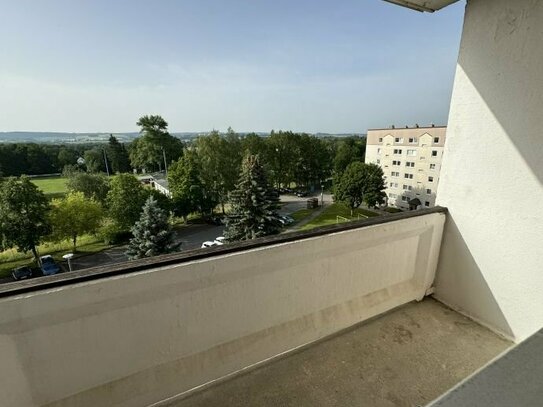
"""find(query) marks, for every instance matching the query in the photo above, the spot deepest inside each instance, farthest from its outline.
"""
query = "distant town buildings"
(411, 160)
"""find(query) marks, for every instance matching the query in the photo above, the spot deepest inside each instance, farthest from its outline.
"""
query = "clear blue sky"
(304, 65)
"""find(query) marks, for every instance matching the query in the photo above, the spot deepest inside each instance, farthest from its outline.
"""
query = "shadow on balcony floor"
(406, 357)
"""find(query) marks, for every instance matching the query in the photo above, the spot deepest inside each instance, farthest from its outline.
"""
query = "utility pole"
(105, 161)
(165, 165)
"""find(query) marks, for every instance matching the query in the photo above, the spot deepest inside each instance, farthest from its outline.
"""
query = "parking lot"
(190, 236)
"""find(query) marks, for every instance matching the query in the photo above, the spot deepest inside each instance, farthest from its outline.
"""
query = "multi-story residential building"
(411, 160)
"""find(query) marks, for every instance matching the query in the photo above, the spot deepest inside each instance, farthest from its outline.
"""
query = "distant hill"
(80, 138)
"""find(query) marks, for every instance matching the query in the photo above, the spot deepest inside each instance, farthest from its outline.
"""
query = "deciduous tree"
(93, 186)
(360, 183)
(74, 216)
(23, 215)
(125, 200)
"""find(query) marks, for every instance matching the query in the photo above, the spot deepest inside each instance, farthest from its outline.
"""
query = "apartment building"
(411, 160)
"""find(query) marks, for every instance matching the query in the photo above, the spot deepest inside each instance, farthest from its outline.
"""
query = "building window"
(426, 203)
(412, 153)
(405, 198)
(378, 151)
(397, 151)
(430, 179)
(407, 187)
(428, 191)
(408, 176)
(412, 140)
(396, 162)
(436, 140)
(434, 153)
(398, 140)
(395, 174)
(380, 139)
(410, 164)
(432, 166)
(392, 195)
(378, 161)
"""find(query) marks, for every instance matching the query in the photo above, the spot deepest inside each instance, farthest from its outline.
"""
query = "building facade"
(411, 161)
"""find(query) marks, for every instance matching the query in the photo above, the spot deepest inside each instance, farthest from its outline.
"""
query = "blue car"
(48, 265)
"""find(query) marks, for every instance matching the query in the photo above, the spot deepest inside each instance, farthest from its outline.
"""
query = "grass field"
(330, 216)
(301, 214)
(53, 187)
(10, 259)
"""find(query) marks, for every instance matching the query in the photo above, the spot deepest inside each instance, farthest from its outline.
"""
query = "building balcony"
(335, 316)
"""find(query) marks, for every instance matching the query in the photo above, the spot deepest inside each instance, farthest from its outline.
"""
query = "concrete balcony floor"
(407, 357)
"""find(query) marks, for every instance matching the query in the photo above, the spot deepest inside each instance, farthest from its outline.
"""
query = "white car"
(219, 241)
(208, 244)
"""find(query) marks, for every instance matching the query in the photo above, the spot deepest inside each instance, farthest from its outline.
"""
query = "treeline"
(41, 159)
(287, 157)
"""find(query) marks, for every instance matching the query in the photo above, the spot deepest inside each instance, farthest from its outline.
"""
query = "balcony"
(290, 311)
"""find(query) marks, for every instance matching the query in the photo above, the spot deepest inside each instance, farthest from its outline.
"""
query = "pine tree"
(152, 233)
(254, 206)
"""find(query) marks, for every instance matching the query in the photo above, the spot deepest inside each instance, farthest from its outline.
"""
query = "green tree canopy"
(118, 156)
(125, 200)
(186, 185)
(94, 160)
(360, 183)
(254, 206)
(152, 233)
(155, 145)
(93, 186)
(220, 160)
(23, 215)
(351, 149)
(74, 216)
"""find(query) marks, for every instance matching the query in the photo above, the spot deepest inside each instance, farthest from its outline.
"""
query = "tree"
(74, 216)
(351, 149)
(155, 145)
(220, 160)
(374, 191)
(186, 186)
(360, 183)
(118, 156)
(23, 215)
(125, 200)
(152, 233)
(254, 206)
(94, 160)
(93, 186)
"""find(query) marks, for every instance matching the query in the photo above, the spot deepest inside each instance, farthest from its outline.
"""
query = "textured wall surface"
(491, 264)
(139, 338)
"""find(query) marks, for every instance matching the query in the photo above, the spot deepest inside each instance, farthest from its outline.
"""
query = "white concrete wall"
(491, 264)
(136, 339)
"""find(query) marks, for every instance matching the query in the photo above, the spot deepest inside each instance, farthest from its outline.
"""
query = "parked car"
(215, 220)
(301, 193)
(219, 241)
(207, 244)
(286, 220)
(49, 266)
(21, 273)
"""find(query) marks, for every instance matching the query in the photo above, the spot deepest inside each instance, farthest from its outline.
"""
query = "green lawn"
(330, 216)
(10, 259)
(301, 214)
(391, 209)
(53, 187)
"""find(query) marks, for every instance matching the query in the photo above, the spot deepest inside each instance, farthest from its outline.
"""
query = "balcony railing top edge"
(93, 273)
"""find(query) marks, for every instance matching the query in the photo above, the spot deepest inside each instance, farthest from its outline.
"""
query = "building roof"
(423, 5)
